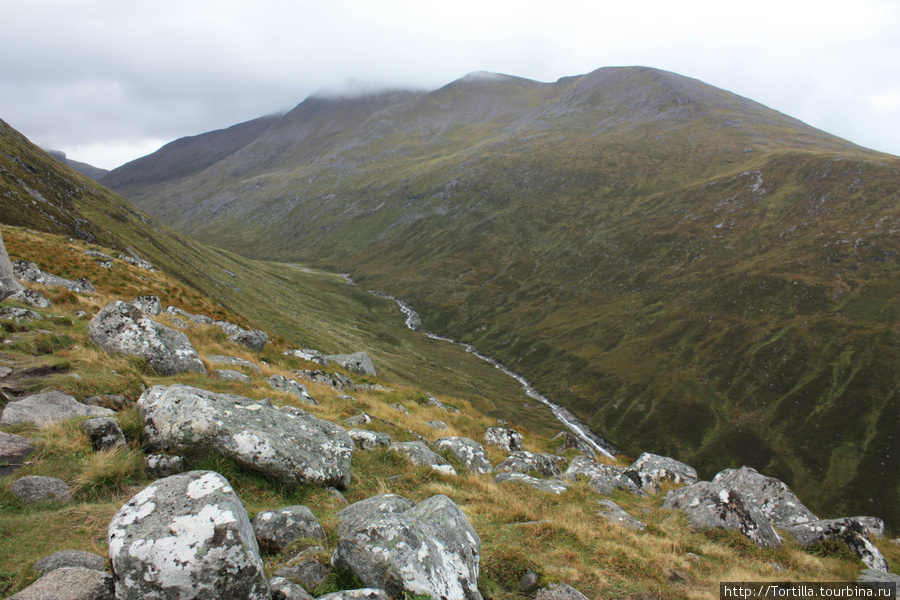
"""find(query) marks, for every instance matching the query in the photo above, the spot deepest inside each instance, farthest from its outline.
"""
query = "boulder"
(504, 438)
(429, 549)
(369, 440)
(526, 462)
(70, 583)
(359, 513)
(875, 525)
(710, 505)
(229, 375)
(771, 496)
(283, 589)
(430, 400)
(308, 354)
(163, 465)
(28, 271)
(149, 305)
(8, 283)
(69, 558)
(104, 433)
(559, 591)
(614, 513)
(37, 488)
(255, 339)
(423, 456)
(437, 424)
(654, 469)
(287, 444)
(13, 450)
(306, 570)
(605, 479)
(47, 408)
(358, 362)
(336, 381)
(570, 441)
(850, 531)
(233, 361)
(357, 420)
(880, 578)
(469, 452)
(289, 386)
(400, 408)
(277, 529)
(186, 536)
(31, 298)
(554, 486)
(123, 329)
(361, 594)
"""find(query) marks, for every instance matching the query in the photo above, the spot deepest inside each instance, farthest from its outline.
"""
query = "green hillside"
(683, 267)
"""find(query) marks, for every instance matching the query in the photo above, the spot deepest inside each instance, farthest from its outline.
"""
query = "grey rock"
(559, 591)
(233, 361)
(875, 526)
(554, 486)
(289, 386)
(163, 465)
(662, 468)
(336, 381)
(469, 452)
(505, 438)
(70, 583)
(361, 594)
(306, 570)
(710, 505)
(229, 375)
(438, 424)
(47, 408)
(429, 549)
(277, 529)
(287, 444)
(104, 433)
(369, 440)
(114, 402)
(526, 462)
(283, 589)
(357, 420)
(36, 488)
(850, 531)
(8, 283)
(28, 271)
(12, 313)
(614, 513)
(149, 305)
(310, 355)
(771, 496)
(400, 408)
(137, 262)
(423, 456)
(69, 558)
(123, 329)
(197, 319)
(570, 441)
(186, 536)
(98, 254)
(255, 339)
(356, 515)
(31, 298)
(529, 582)
(13, 450)
(880, 577)
(358, 362)
(432, 401)
(605, 479)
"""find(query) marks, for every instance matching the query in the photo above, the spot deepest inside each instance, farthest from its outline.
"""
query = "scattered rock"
(529, 582)
(28, 271)
(283, 384)
(255, 339)
(310, 355)
(277, 529)
(69, 558)
(357, 420)
(771, 496)
(361, 594)
(437, 424)
(229, 375)
(654, 469)
(104, 433)
(369, 440)
(47, 408)
(233, 361)
(614, 513)
(31, 298)
(336, 381)
(554, 486)
(190, 536)
(429, 549)
(13, 450)
(123, 329)
(710, 505)
(469, 452)
(8, 283)
(12, 313)
(423, 456)
(137, 262)
(505, 438)
(880, 577)
(430, 400)
(163, 465)
(358, 362)
(305, 569)
(282, 589)
(400, 408)
(36, 488)
(149, 305)
(287, 444)
(605, 479)
(526, 462)
(114, 402)
(570, 441)
(70, 583)
(559, 591)
(875, 526)
(849, 531)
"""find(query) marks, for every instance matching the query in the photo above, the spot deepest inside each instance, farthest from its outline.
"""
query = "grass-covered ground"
(560, 537)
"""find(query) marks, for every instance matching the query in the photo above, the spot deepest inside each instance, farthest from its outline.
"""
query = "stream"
(564, 415)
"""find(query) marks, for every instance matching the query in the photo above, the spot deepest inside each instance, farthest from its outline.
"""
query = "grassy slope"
(687, 270)
(560, 537)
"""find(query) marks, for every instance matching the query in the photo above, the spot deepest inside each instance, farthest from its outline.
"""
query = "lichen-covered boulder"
(615, 514)
(605, 479)
(163, 465)
(880, 579)
(504, 438)
(47, 408)
(277, 529)
(771, 496)
(306, 569)
(369, 440)
(429, 549)
(28, 271)
(526, 462)
(712, 506)
(358, 362)
(37, 488)
(554, 486)
(31, 298)
(283, 384)
(423, 456)
(70, 583)
(233, 361)
(653, 469)
(8, 283)
(149, 305)
(104, 433)
(559, 591)
(361, 594)
(283, 589)
(850, 531)
(69, 558)
(229, 375)
(121, 328)
(469, 452)
(13, 450)
(255, 339)
(285, 443)
(186, 536)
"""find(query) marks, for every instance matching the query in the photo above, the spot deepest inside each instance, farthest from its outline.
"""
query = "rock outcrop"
(423, 456)
(358, 362)
(104, 433)
(771, 496)
(526, 462)
(468, 452)
(287, 444)
(28, 271)
(653, 469)
(505, 438)
(47, 408)
(70, 583)
(37, 488)
(8, 283)
(277, 529)
(850, 531)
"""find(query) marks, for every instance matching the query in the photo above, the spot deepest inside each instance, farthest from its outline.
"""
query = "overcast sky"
(107, 81)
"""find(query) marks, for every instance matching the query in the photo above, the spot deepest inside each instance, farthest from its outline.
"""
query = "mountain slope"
(686, 269)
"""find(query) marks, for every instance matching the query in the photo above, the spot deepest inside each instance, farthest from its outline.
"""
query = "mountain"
(95, 173)
(685, 269)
